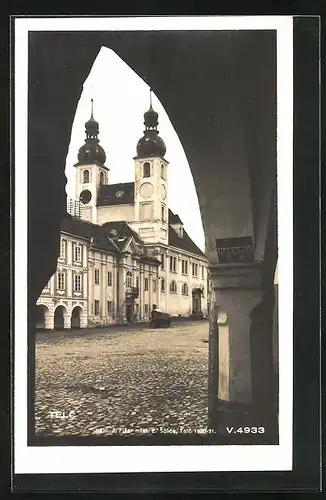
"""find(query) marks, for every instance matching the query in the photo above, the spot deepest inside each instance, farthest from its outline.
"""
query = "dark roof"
(119, 232)
(85, 229)
(184, 243)
(107, 194)
(174, 218)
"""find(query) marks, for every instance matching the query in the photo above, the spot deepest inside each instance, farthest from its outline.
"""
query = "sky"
(120, 99)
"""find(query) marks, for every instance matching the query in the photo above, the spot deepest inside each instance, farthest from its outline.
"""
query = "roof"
(84, 229)
(119, 232)
(174, 218)
(107, 194)
(184, 242)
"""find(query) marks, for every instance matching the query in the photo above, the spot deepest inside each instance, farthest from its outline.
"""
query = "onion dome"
(151, 144)
(91, 151)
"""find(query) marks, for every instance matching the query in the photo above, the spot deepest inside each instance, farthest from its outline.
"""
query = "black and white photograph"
(154, 271)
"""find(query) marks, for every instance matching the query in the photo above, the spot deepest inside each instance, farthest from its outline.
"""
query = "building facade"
(123, 251)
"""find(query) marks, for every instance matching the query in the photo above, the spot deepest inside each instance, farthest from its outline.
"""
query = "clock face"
(119, 194)
(163, 192)
(146, 190)
(85, 196)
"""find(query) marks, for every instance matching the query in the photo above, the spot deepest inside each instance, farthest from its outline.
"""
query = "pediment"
(133, 247)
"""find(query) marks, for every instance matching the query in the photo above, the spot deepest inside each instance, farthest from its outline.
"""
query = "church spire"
(151, 144)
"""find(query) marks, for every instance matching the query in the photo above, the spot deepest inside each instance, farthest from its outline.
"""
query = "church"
(123, 252)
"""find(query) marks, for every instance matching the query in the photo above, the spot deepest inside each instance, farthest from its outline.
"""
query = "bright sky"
(120, 99)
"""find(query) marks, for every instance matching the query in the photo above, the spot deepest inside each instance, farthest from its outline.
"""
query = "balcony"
(132, 292)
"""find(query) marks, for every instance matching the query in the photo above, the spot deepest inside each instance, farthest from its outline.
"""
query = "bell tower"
(91, 171)
(151, 183)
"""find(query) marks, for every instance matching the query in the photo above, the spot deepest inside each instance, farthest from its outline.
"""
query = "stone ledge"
(243, 276)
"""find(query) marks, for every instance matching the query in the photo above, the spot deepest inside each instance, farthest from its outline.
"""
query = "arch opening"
(76, 317)
(60, 314)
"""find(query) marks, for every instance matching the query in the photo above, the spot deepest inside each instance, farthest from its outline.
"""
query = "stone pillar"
(49, 321)
(236, 291)
(83, 319)
(66, 320)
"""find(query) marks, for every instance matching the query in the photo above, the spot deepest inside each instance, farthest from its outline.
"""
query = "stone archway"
(60, 318)
(76, 317)
(229, 134)
(43, 317)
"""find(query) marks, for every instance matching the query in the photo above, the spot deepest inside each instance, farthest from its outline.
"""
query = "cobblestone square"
(125, 379)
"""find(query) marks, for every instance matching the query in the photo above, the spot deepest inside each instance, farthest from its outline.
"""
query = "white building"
(126, 252)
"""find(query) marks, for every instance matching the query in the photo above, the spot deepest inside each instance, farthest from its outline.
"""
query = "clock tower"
(151, 183)
(91, 171)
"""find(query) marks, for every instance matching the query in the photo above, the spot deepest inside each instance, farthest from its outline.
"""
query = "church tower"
(151, 183)
(91, 171)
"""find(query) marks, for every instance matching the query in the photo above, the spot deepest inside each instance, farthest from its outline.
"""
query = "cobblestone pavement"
(122, 380)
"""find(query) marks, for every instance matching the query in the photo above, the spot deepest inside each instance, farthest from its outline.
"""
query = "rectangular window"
(110, 308)
(184, 267)
(154, 285)
(96, 307)
(63, 249)
(77, 283)
(96, 276)
(137, 281)
(146, 308)
(162, 285)
(109, 278)
(173, 264)
(61, 281)
(202, 272)
(136, 308)
(146, 284)
(162, 261)
(77, 252)
(195, 269)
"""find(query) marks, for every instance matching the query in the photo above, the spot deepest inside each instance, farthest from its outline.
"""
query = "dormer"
(176, 223)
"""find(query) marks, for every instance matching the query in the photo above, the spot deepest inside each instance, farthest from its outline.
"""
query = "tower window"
(162, 171)
(163, 213)
(85, 176)
(102, 177)
(109, 278)
(146, 169)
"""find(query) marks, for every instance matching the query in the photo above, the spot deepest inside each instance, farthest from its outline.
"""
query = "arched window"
(184, 289)
(146, 169)
(162, 285)
(173, 287)
(128, 279)
(102, 177)
(85, 176)
(162, 171)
